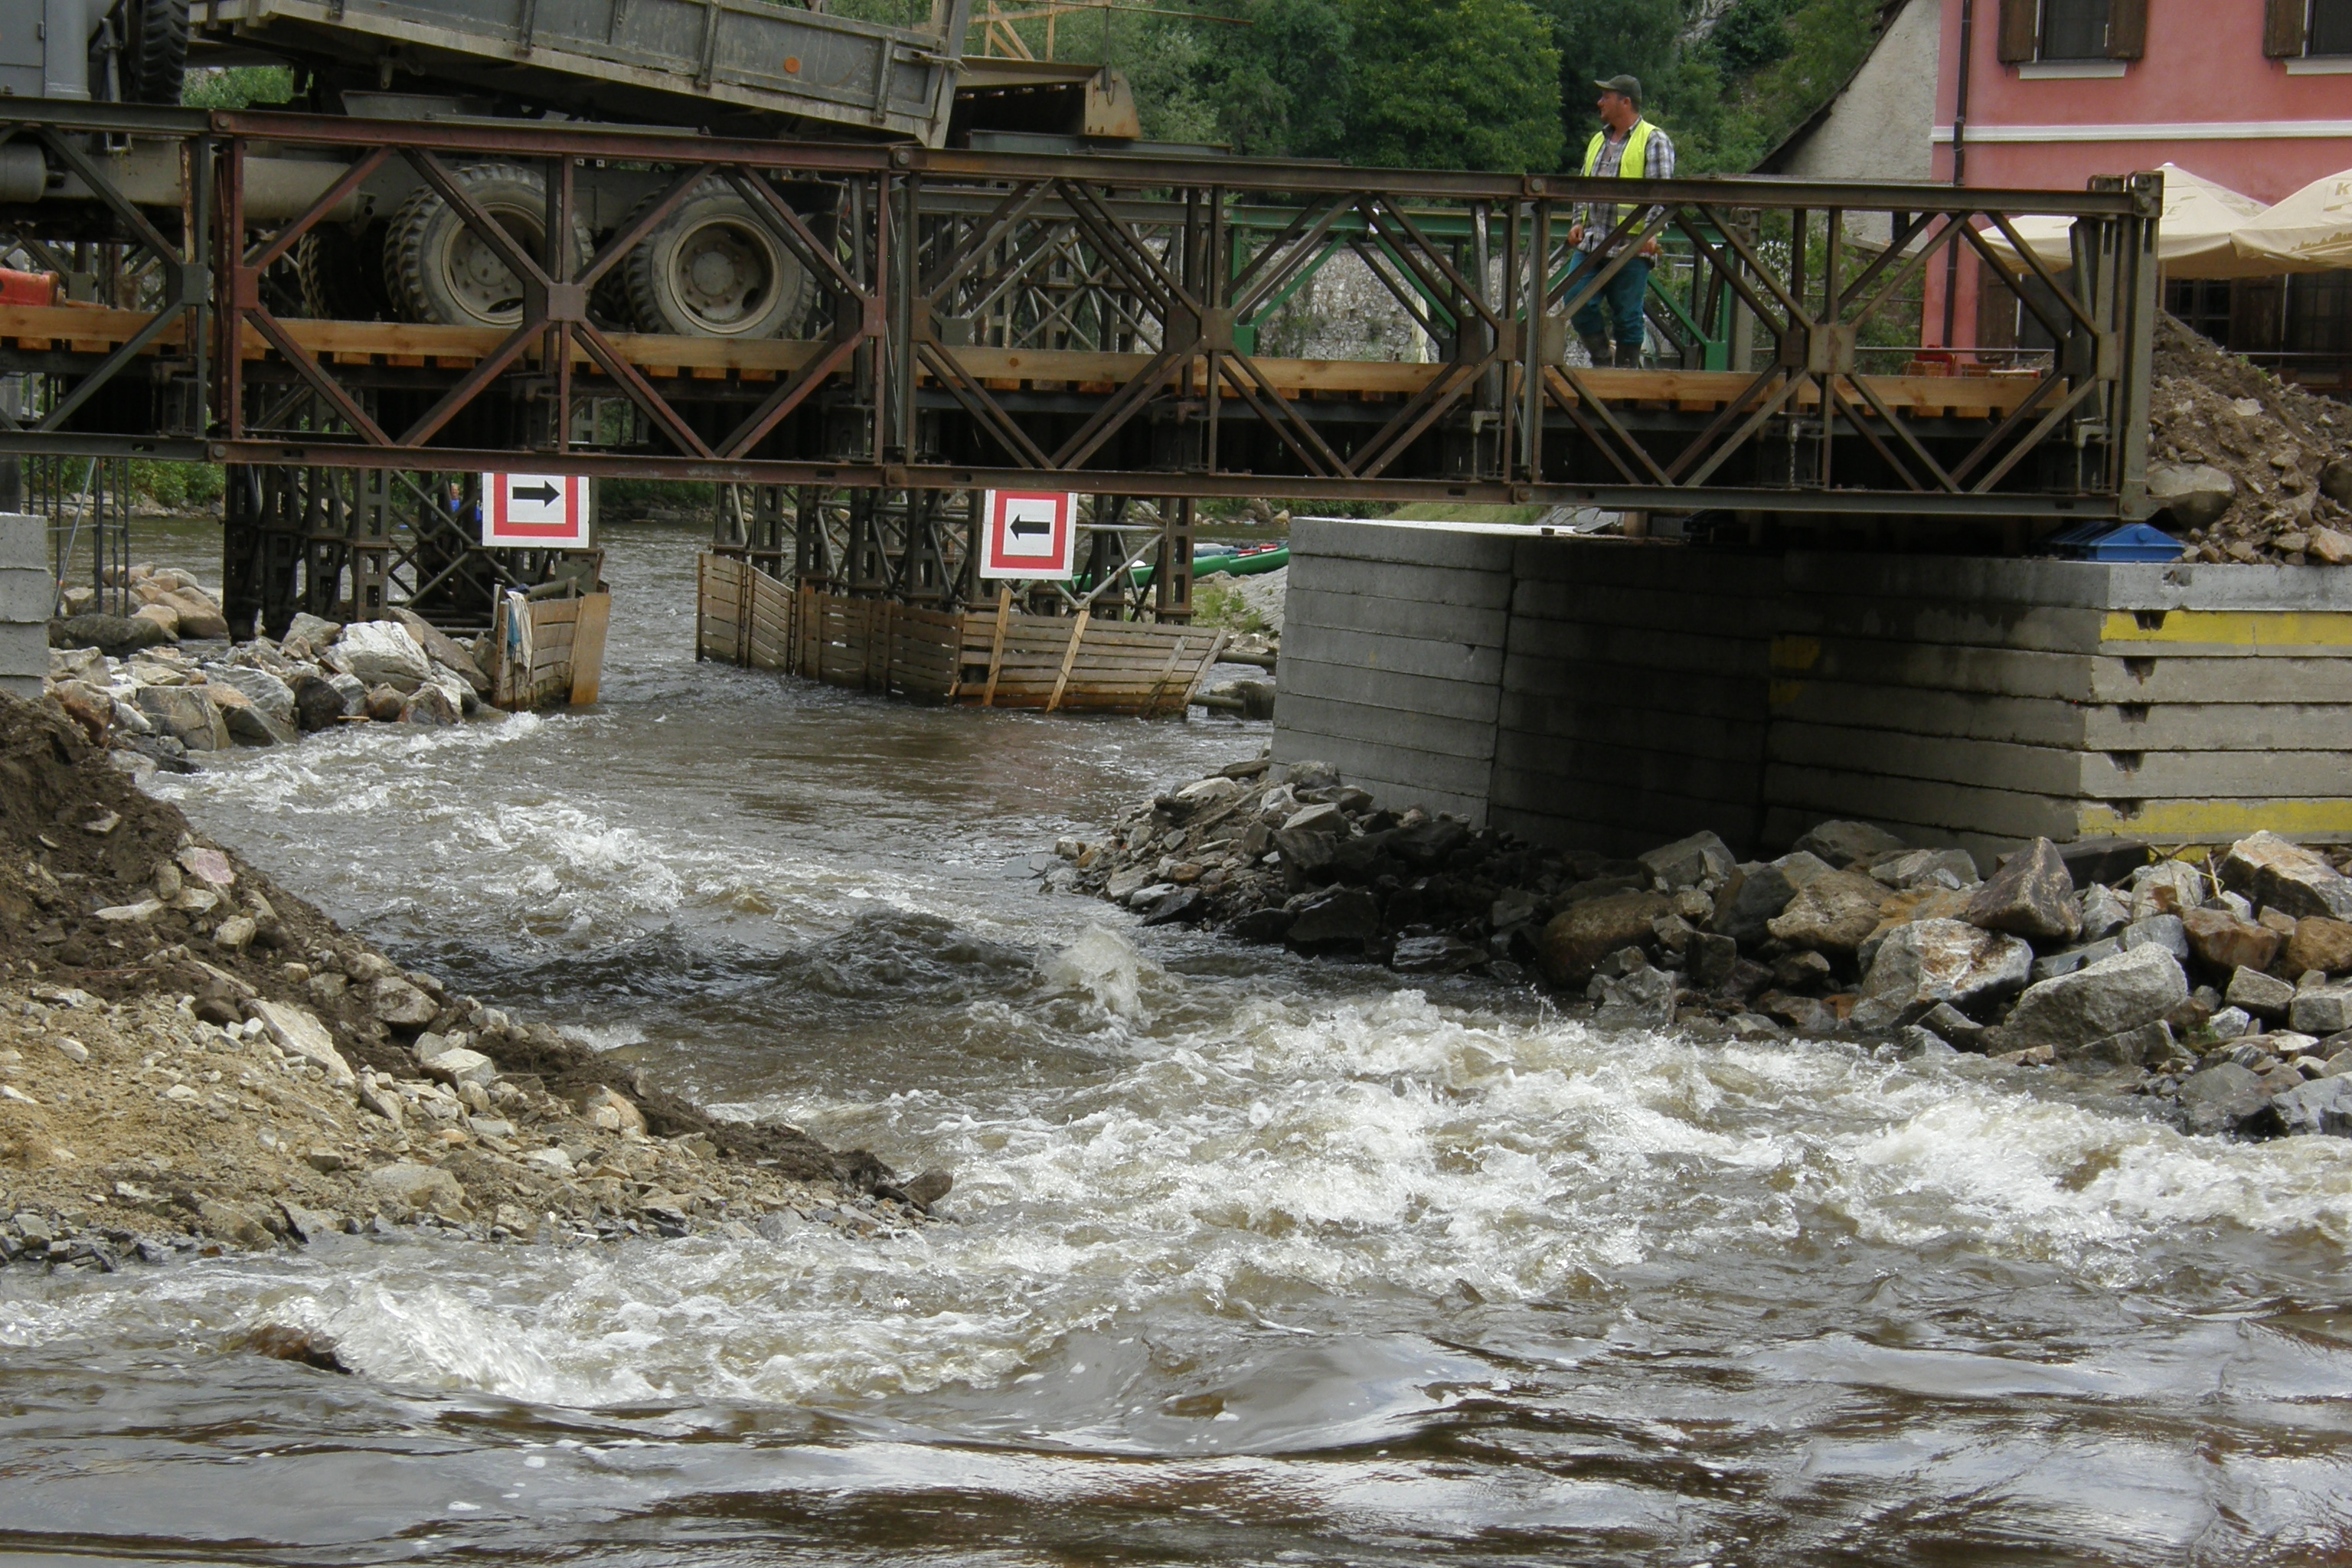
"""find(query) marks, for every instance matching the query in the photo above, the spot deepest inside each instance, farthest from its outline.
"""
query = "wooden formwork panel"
(983, 657)
(553, 656)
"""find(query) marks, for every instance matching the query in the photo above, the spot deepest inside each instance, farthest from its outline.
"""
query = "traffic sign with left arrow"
(536, 511)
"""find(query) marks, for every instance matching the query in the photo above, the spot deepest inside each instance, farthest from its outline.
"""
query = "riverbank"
(2210, 979)
(192, 1057)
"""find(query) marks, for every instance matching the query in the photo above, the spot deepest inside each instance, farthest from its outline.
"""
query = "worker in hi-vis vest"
(1627, 146)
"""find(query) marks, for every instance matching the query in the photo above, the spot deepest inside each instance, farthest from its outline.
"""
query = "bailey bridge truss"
(1084, 322)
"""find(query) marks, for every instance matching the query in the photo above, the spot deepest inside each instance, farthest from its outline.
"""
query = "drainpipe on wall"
(1960, 162)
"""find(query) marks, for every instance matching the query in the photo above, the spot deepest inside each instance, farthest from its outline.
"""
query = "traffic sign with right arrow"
(536, 511)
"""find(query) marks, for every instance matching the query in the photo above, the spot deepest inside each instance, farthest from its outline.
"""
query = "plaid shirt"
(1658, 163)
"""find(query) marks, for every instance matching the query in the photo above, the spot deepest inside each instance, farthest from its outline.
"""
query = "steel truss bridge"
(1088, 322)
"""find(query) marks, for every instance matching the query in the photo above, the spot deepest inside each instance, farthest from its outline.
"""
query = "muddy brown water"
(1254, 1262)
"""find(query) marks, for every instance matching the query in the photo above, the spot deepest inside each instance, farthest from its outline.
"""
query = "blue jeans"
(1616, 311)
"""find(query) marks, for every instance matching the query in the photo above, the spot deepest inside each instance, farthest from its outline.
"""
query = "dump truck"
(869, 70)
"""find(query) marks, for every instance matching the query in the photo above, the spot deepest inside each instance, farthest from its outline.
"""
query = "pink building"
(2254, 94)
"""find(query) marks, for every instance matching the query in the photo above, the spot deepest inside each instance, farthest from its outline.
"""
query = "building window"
(2074, 30)
(2061, 33)
(2330, 28)
(2297, 29)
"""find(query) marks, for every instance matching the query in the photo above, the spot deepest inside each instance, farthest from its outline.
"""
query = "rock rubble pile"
(163, 681)
(2250, 467)
(2217, 980)
(192, 1057)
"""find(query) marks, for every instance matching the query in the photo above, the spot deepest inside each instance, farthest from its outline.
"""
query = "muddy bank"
(2213, 979)
(190, 1054)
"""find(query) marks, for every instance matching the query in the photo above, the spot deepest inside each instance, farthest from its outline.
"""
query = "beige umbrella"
(2193, 239)
(2311, 231)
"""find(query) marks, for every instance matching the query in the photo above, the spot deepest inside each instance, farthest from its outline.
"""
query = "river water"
(1254, 1261)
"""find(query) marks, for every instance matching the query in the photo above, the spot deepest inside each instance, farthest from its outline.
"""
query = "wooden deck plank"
(413, 343)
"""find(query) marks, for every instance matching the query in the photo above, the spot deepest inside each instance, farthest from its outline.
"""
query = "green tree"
(1282, 83)
(1461, 84)
(1598, 39)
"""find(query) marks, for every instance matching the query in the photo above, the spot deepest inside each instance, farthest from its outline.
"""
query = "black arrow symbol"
(1020, 528)
(543, 494)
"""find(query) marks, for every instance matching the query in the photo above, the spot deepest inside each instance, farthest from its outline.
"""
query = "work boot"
(1603, 352)
(1629, 356)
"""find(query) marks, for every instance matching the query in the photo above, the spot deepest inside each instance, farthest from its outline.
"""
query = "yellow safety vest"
(1636, 158)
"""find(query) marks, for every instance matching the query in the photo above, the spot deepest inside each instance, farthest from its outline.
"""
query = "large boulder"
(2322, 1105)
(2032, 896)
(1334, 917)
(184, 713)
(2113, 997)
(1759, 891)
(1931, 960)
(2322, 1010)
(2286, 877)
(1836, 912)
(315, 630)
(409, 1188)
(317, 705)
(1310, 837)
(380, 653)
(1928, 903)
(1579, 936)
(2195, 494)
(1845, 844)
(2221, 1098)
(199, 617)
(1688, 862)
(2168, 888)
(446, 649)
(121, 636)
(297, 1032)
(265, 691)
(1643, 999)
(2320, 943)
(2223, 940)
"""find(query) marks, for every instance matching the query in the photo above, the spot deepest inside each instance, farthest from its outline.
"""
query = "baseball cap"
(1629, 86)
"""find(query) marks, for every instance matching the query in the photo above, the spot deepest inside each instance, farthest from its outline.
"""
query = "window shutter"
(2020, 30)
(2282, 29)
(2126, 29)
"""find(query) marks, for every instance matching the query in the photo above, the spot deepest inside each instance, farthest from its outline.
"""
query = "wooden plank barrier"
(548, 652)
(993, 657)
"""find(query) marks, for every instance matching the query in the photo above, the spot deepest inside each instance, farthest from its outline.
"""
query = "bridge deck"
(98, 331)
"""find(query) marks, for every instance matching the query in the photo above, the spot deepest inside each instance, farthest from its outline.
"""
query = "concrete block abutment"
(26, 594)
(1613, 694)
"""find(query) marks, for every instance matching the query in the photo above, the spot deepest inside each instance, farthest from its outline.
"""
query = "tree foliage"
(1500, 85)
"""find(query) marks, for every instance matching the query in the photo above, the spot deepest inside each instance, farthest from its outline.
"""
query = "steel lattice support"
(1094, 324)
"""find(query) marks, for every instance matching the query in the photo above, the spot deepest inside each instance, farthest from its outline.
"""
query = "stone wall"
(26, 594)
(1625, 693)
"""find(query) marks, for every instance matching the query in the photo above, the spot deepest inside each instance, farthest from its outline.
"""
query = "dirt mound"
(159, 955)
(2274, 439)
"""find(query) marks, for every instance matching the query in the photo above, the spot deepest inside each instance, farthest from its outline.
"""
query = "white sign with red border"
(536, 511)
(1029, 533)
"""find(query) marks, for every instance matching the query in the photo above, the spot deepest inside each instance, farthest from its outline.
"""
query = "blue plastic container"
(2132, 541)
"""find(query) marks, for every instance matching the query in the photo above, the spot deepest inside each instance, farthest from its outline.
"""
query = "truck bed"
(686, 62)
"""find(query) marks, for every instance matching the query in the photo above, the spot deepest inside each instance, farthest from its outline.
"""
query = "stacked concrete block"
(26, 594)
(1392, 658)
(1613, 694)
(1633, 700)
(1980, 701)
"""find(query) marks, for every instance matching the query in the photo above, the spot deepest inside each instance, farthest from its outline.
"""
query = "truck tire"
(716, 270)
(338, 283)
(437, 269)
(155, 49)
